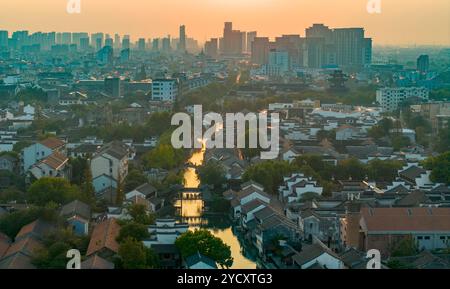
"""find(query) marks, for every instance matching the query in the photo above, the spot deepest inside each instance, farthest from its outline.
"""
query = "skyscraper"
(233, 40)
(155, 44)
(250, 37)
(212, 48)
(126, 42)
(109, 42)
(278, 63)
(320, 31)
(141, 44)
(349, 46)
(97, 40)
(166, 44)
(117, 43)
(66, 38)
(423, 63)
(260, 50)
(4, 35)
(84, 44)
(105, 55)
(182, 40)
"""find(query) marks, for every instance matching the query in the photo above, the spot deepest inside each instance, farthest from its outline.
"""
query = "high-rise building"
(350, 46)
(345, 47)
(141, 44)
(291, 44)
(18, 39)
(66, 38)
(97, 40)
(314, 52)
(182, 39)
(212, 48)
(125, 55)
(84, 44)
(278, 63)
(126, 42)
(423, 63)
(250, 37)
(367, 51)
(155, 44)
(4, 35)
(117, 43)
(320, 31)
(113, 86)
(76, 37)
(105, 55)
(233, 40)
(109, 42)
(166, 44)
(260, 50)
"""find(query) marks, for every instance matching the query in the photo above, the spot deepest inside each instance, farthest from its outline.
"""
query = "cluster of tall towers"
(321, 46)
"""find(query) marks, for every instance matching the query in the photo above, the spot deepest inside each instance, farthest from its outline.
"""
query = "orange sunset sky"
(401, 21)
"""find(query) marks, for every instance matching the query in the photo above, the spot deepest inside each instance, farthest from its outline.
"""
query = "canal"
(191, 211)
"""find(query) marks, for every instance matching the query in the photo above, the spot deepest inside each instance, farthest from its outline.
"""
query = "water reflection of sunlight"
(191, 211)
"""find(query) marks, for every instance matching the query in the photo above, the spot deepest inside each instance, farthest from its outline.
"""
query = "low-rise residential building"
(390, 98)
(295, 186)
(103, 240)
(40, 150)
(317, 256)
(165, 231)
(164, 89)
(55, 165)
(77, 215)
(109, 166)
(384, 228)
(250, 191)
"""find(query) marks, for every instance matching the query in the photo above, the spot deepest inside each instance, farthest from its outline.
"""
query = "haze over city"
(204, 18)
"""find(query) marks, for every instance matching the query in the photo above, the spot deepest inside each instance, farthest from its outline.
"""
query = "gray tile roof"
(76, 208)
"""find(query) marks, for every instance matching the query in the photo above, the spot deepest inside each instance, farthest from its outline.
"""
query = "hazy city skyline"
(429, 21)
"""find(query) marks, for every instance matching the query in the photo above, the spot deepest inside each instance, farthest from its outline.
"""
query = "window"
(427, 238)
(420, 238)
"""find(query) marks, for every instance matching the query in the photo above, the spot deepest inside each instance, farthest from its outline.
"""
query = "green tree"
(56, 190)
(207, 244)
(399, 141)
(351, 168)
(383, 170)
(11, 224)
(134, 179)
(443, 141)
(406, 247)
(20, 145)
(140, 215)
(382, 129)
(164, 156)
(132, 254)
(269, 174)
(56, 245)
(440, 168)
(212, 173)
(133, 230)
